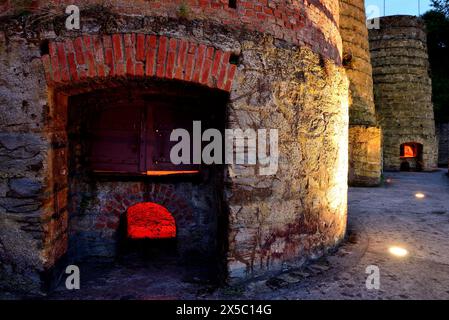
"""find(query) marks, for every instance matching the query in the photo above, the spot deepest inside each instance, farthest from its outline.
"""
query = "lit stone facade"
(365, 164)
(273, 64)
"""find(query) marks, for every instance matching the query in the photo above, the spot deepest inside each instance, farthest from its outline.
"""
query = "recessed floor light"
(420, 195)
(398, 251)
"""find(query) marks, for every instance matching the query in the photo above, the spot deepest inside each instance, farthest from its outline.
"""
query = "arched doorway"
(113, 100)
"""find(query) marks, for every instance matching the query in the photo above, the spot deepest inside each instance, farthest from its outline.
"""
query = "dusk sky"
(394, 7)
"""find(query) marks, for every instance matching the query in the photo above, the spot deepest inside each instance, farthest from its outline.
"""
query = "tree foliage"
(441, 6)
(437, 24)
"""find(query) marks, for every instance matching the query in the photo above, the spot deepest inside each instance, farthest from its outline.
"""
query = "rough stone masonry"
(279, 63)
(365, 163)
(402, 89)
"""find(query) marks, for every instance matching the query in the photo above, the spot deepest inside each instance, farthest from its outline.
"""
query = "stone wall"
(364, 134)
(301, 211)
(364, 153)
(357, 62)
(443, 148)
(402, 88)
(24, 155)
(295, 84)
(314, 24)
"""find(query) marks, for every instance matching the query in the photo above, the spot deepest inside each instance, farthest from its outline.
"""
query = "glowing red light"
(150, 221)
(409, 152)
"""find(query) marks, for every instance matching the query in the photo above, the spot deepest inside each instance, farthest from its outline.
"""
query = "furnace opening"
(411, 156)
(149, 221)
(148, 230)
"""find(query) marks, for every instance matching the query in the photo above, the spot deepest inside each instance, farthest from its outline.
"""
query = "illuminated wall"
(364, 134)
(286, 74)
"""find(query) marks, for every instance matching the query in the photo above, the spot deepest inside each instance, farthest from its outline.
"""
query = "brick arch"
(411, 139)
(79, 60)
(118, 202)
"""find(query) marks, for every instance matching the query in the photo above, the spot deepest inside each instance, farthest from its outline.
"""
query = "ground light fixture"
(420, 195)
(398, 251)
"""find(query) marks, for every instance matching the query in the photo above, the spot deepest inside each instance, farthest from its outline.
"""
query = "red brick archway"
(78, 60)
(92, 62)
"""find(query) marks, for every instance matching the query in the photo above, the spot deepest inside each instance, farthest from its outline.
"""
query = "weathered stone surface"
(354, 34)
(23, 156)
(300, 209)
(364, 150)
(402, 87)
(314, 24)
(288, 77)
(25, 187)
(20, 258)
(21, 153)
(19, 205)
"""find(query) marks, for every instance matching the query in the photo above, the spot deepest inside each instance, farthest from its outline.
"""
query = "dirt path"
(380, 218)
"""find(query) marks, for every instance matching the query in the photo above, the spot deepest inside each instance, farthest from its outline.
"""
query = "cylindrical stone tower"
(403, 93)
(269, 66)
(364, 134)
